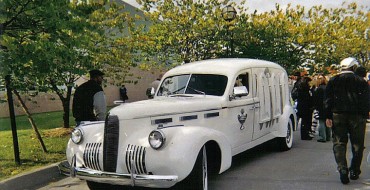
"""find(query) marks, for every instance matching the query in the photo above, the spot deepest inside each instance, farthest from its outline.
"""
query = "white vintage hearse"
(202, 114)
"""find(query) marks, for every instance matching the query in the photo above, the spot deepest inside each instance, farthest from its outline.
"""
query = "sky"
(267, 5)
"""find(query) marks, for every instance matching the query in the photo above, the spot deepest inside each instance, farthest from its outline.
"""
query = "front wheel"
(98, 186)
(286, 143)
(198, 178)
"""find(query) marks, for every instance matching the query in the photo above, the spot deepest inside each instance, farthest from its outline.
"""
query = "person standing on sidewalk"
(347, 107)
(324, 132)
(153, 86)
(123, 93)
(89, 99)
(305, 107)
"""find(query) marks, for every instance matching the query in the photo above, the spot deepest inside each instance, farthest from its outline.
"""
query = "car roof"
(223, 66)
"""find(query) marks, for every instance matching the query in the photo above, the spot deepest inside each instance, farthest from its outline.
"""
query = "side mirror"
(240, 91)
(150, 92)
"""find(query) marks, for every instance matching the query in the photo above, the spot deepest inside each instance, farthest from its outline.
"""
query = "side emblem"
(241, 118)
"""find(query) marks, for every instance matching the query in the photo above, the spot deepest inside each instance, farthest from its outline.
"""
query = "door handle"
(254, 107)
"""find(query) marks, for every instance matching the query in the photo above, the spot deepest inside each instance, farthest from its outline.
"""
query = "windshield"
(205, 84)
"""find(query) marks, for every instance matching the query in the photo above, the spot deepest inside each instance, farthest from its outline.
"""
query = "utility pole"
(12, 119)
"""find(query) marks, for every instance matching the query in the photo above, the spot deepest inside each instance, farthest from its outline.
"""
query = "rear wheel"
(286, 143)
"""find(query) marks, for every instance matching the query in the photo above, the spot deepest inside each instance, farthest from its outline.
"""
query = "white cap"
(348, 63)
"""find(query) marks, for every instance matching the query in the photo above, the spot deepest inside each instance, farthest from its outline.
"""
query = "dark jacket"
(123, 93)
(347, 93)
(294, 92)
(83, 101)
(304, 101)
(318, 100)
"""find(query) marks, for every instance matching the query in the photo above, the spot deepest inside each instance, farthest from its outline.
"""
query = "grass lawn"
(31, 155)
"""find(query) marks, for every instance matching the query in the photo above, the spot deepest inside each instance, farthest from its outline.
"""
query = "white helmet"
(348, 63)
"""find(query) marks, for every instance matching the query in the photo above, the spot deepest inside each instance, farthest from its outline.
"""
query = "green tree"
(316, 38)
(182, 31)
(68, 39)
(272, 36)
(294, 37)
(341, 32)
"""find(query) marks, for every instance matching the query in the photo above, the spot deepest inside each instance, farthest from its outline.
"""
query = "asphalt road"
(308, 165)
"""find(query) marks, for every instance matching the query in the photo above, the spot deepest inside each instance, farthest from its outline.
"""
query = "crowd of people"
(339, 105)
(308, 93)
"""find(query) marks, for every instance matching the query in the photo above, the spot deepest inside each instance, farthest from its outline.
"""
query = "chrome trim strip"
(91, 155)
(135, 159)
(85, 123)
(127, 158)
(144, 167)
(97, 157)
(72, 171)
(133, 172)
(164, 120)
(254, 103)
(188, 117)
(213, 114)
(175, 113)
(163, 127)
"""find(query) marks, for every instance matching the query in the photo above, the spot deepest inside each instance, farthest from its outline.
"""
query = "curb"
(33, 179)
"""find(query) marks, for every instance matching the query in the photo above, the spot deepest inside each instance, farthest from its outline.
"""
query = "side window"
(242, 80)
(241, 86)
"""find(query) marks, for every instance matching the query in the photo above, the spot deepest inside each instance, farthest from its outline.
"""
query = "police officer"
(347, 107)
(89, 100)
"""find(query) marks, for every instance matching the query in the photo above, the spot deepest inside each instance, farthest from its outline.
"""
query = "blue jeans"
(324, 132)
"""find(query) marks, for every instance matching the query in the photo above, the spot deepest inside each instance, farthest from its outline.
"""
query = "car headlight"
(77, 135)
(156, 139)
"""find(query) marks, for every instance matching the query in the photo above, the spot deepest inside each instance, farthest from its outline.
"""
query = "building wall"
(47, 102)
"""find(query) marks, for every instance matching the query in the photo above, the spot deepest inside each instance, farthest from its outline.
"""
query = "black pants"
(306, 124)
(352, 126)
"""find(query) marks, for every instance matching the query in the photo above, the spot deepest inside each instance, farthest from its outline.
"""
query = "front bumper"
(156, 181)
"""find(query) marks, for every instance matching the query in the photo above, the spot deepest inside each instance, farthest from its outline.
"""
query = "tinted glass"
(193, 84)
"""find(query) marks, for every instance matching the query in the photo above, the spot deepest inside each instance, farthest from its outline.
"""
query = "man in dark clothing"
(294, 92)
(305, 107)
(123, 93)
(347, 107)
(89, 100)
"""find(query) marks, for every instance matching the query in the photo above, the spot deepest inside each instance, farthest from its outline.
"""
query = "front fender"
(182, 148)
(92, 132)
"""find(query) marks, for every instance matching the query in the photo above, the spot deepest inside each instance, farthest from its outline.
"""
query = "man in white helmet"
(347, 108)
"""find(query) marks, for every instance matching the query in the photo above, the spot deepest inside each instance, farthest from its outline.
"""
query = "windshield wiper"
(173, 92)
(197, 91)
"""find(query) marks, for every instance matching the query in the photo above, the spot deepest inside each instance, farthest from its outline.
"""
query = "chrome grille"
(110, 144)
(91, 155)
(135, 157)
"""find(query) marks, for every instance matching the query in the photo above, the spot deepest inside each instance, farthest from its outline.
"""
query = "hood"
(165, 106)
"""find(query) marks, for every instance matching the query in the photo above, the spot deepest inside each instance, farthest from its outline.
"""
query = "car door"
(241, 111)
